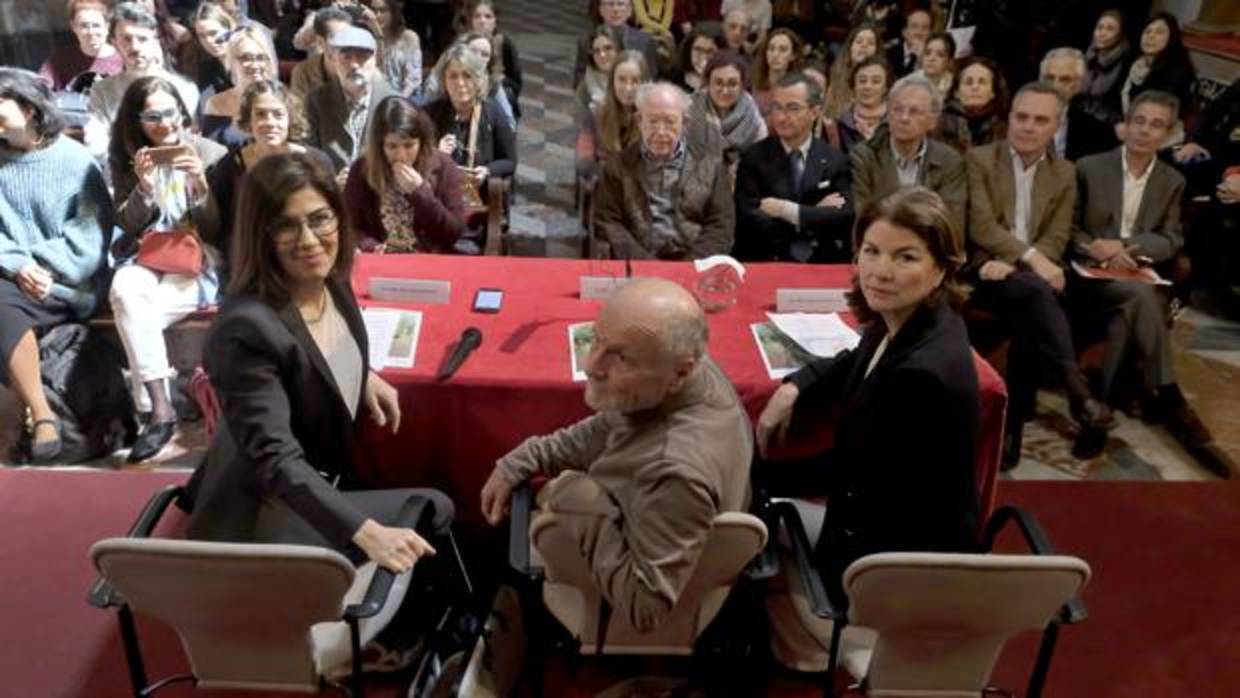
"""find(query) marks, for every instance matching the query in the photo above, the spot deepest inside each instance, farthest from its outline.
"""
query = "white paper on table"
(393, 336)
(821, 334)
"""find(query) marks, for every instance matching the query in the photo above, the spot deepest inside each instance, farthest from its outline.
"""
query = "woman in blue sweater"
(55, 226)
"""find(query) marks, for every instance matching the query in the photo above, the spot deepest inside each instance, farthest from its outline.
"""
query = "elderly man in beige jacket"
(640, 481)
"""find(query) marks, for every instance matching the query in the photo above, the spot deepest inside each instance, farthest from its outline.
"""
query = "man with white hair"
(339, 110)
(904, 155)
(668, 449)
(666, 196)
(1078, 134)
(738, 33)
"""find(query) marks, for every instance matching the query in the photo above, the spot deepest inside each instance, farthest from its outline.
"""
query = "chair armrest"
(497, 192)
(519, 532)
(101, 594)
(412, 514)
(1074, 610)
(766, 563)
(815, 589)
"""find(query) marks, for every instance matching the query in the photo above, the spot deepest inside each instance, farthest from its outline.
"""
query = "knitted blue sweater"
(55, 211)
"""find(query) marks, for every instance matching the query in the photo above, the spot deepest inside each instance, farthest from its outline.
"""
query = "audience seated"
(884, 14)
(907, 395)
(316, 69)
(604, 47)
(937, 62)
(861, 118)
(688, 13)
(1106, 67)
(758, 11)
(286, 361)
(1065, 69)
(172, 34)
(696, 50)
(250, 58)
(777, 55)
(401, 49)
(668, 449)
(1021, 199)
(202, 53)
(154, 198)
(339, 110)
(136, 35)
(484, 48)
(482, 20)
(405, 195)
(55, 226)
(976, 111)
(75, 67)
(903, 154)
(274, 120)
(616, 14)
(905, 56)
(793, 191)
(738, 32)
(666, 196)
(861, 43)
(725, 105)
(1163, 65)
(609, 130)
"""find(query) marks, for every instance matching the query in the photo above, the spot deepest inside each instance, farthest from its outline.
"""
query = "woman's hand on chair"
(396, 549)
(775, 418)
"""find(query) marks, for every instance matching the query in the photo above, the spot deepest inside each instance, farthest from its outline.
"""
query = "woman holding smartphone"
(159, 178)
(405, 194)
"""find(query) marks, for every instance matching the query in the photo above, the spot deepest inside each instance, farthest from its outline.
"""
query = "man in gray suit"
(906, 156)
(339, 110)
(1127, 217)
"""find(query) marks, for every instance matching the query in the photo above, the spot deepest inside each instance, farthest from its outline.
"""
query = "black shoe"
(1090, 443)
(44, 452)
(1093, 414)
(1188, 429)
(153, 438)
(1011, 449)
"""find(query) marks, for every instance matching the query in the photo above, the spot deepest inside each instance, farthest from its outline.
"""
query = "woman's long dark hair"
(265, 190)
(127, 134)
(1175, 54)
(25, 88)
(397, 115)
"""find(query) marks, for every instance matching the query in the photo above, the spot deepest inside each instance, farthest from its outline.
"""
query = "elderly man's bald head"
(669, 312)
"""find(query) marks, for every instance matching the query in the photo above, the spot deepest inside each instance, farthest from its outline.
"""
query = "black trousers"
(19, 314)
(1041, 336)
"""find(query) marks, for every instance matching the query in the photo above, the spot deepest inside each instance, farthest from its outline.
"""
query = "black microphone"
(470, 339)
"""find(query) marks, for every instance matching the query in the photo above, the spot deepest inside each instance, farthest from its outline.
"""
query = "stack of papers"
(791, 340)
(393, 336)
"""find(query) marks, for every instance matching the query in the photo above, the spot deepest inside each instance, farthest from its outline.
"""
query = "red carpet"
(1162, 602)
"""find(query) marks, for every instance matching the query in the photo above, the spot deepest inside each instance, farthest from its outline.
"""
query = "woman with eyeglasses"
(287, 357)
(55, 221)
(250, 58)
(696, 50)
(159, 185)
(406, 195)
(401, 52)
(75, 67)
(871, 79)
(201, 56)
(605, 45)
(725, 104)
(273, 120)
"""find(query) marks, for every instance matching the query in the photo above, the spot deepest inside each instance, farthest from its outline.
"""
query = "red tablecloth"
(518, 382)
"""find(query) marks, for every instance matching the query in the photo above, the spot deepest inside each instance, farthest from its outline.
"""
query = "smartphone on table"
(488, 300)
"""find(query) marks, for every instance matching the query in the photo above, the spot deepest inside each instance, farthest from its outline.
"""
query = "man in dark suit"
(1021, 200)
(617, 14)
(793, 194)
(905, 55)
(904, 154)
(1127, 216)
(1078, 134)
(339, 110)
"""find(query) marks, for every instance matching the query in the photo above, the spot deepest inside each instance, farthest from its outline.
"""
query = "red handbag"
(171, 252)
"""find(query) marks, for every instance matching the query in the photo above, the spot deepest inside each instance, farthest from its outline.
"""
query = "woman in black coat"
(1163, 65)
(287, 357)
(900, 476)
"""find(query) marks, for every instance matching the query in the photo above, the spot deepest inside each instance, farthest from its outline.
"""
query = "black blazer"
(285, 428)
(901, 474)
(497, 143)
(766, 170)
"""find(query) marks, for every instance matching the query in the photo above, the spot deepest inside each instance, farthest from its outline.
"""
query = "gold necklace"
(322, 311)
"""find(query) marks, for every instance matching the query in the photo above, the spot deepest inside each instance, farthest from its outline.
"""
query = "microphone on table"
(470, 339)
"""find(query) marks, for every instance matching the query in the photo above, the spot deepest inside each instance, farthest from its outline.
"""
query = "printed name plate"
(410, 290)
(600, 288)
(811, 300)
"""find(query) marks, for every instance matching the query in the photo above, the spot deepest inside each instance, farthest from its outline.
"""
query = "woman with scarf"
(1163, 65)
(976, 111)
(1106, 65)
(725, 104)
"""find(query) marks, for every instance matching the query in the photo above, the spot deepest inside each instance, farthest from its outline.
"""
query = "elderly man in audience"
(617, 14)
(666, 196)
(904, 155)
(1078, 134)
(135, 32)
(640, 481)
(1021, 199)
(793, 193)
(1127, 217)
(316, 69)
(738, 31)
(339, 111)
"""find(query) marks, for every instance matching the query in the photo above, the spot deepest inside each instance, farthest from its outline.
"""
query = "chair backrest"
(243, 611)
(572, 597)
(993, 399)
(942, 619)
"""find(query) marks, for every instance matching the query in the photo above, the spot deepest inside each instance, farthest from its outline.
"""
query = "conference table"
(518, 383)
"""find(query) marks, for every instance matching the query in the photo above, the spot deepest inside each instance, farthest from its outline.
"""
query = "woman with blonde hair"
(201, 55)
(613, 126)
(250, 58)
(862, 42)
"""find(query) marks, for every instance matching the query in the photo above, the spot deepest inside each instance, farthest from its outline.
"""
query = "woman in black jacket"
(1163, 65)
(287, 357)
(900, 476)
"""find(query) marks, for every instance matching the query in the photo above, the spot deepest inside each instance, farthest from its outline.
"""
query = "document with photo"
(393, 336)
(821, 334)
(580, 341)
(780, 354)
